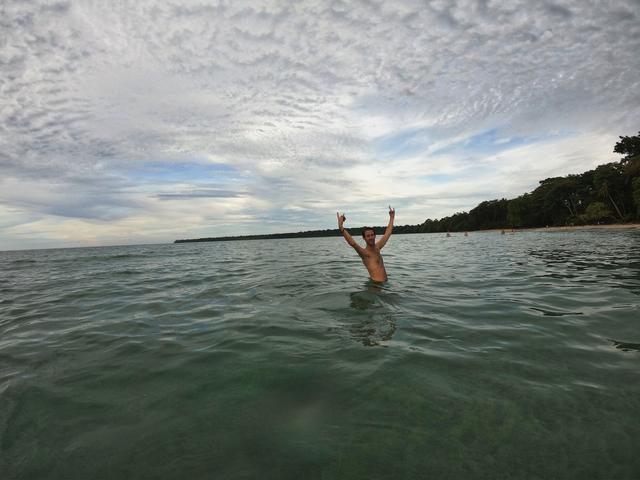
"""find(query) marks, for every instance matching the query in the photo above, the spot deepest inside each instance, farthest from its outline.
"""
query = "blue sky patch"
(491, 142)
(406, 142)
(416, 140)
(184, 172)
(438, 178)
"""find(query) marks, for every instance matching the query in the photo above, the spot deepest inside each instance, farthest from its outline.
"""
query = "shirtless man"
(371, 254)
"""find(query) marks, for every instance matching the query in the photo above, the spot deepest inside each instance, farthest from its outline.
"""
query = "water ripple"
(233, 359)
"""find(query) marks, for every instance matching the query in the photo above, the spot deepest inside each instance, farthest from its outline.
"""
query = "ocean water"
(488, 356)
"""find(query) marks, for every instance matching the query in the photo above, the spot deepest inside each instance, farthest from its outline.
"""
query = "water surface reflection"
(374, 315)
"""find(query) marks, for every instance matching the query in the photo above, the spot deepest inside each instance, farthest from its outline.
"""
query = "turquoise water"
(486, 356)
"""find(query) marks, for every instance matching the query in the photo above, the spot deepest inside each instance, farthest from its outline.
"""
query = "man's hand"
(341, 219)
(387, 233)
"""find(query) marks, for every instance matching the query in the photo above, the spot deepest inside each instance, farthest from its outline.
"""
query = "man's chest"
(373, 258)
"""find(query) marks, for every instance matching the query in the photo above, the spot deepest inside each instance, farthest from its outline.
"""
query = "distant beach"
(615, 226)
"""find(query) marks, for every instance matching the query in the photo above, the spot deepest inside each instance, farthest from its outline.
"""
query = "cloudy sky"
(138, 122)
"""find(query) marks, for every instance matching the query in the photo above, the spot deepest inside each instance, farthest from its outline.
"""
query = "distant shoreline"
(613, 226)
(336, 233)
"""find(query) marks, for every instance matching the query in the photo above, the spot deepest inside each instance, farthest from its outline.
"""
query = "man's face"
(370, 237)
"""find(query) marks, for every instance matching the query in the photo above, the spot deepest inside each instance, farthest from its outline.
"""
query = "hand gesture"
(392, 212)
(341, 219)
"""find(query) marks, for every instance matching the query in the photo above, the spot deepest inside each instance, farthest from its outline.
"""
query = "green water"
(485, 356)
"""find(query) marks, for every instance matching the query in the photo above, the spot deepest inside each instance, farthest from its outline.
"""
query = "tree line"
(608, 194)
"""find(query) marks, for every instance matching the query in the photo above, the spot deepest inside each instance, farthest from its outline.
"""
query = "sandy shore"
(615, 226)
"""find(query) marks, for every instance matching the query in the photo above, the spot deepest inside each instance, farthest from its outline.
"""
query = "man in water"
(371, 254)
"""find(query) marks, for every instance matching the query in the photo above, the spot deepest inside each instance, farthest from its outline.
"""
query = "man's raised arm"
(387, 233)
(347, 236)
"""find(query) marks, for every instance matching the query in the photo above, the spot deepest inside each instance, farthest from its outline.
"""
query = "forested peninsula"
(608, 194)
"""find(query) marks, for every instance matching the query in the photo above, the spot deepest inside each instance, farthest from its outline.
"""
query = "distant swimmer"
(371, 254)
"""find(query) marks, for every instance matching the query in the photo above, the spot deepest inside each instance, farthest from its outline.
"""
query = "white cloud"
(297, 96)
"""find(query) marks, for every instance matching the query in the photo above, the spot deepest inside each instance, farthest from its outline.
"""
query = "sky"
(132, 122)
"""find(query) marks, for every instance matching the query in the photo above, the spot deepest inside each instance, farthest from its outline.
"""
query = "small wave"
(126, 272)
(548, 313)
(22, 261)
(98, 258)
(625, 346)
(120, 256)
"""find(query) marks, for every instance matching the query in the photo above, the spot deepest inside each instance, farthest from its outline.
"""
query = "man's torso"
(372, 259)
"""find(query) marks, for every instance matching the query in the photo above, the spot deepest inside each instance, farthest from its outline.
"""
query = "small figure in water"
(371, 254)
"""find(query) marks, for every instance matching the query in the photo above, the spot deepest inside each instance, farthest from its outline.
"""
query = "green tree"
(488, 214)
(554, 201)
(628, 146)
(597, 212)
(636, 194)
(518, 211)
(609, 182)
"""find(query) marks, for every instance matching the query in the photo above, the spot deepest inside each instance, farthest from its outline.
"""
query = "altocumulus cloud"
(148, 121)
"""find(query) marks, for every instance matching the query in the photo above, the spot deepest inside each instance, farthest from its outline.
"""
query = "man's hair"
(364, 229)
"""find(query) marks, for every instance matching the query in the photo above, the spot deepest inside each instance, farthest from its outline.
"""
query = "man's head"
(369, 235)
